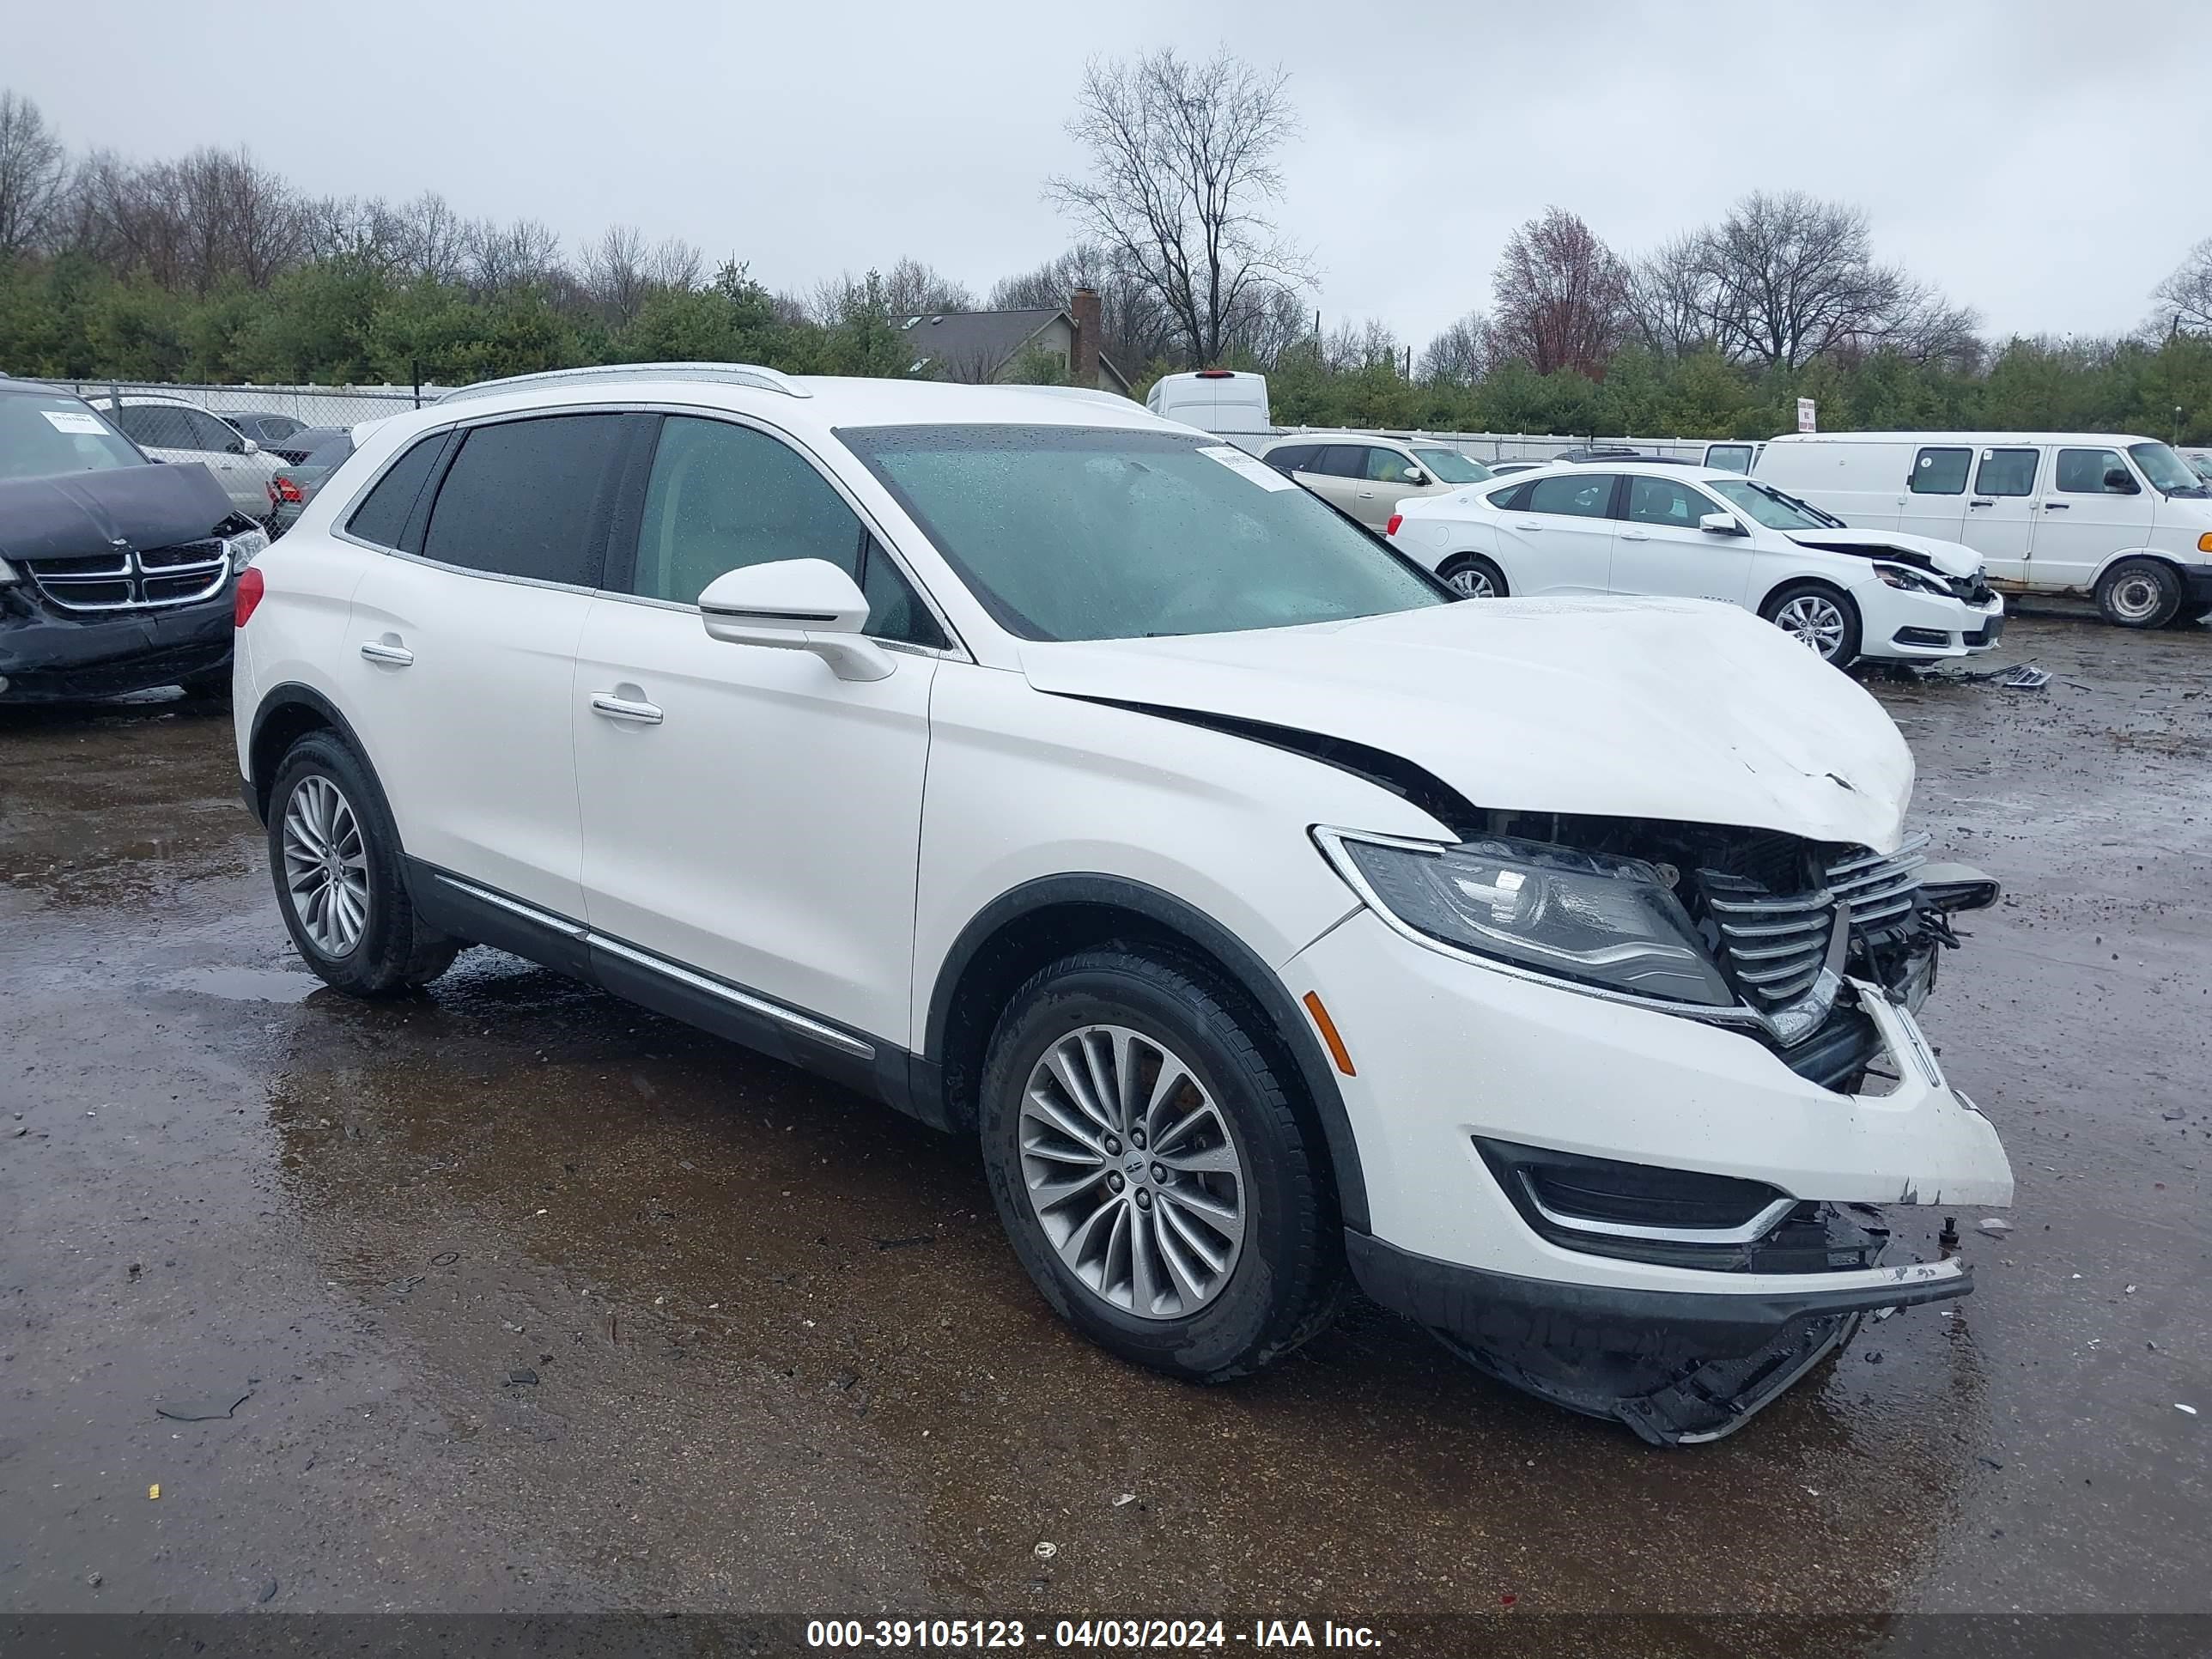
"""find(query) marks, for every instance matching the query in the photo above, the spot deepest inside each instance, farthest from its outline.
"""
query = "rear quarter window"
(382, 516)
(523, 498)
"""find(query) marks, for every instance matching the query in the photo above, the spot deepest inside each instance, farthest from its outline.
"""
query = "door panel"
(1657, 547)
(2000, 517)
(762, 825)
(1563, 543)
(2080, 522)
(459, 685)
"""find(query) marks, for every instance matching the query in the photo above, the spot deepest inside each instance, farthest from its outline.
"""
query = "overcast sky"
(2042, 163)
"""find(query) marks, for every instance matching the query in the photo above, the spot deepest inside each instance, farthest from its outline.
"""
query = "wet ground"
(517, 1297)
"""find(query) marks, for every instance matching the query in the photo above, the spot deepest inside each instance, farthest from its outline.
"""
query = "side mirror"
(796, 605)
(1415, 475)
(2117, 482)
(1722, 524)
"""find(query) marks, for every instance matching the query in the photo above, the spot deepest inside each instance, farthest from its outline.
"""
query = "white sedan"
(1697, 533)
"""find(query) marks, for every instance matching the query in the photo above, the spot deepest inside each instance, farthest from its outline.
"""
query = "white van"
(1229, 403)
(2123, 519)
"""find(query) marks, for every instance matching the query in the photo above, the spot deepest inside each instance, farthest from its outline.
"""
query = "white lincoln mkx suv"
(1073, 780)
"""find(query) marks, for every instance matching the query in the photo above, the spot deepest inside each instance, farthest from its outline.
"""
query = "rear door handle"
(1634, 536)
(377, 651)
(1366, 495)
(621, 709)
(2057, 506)
(1526, 524)
(1981, 503)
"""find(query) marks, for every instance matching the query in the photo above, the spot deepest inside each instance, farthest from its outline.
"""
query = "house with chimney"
(982, 347)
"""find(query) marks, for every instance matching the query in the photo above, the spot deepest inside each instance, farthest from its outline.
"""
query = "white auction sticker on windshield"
(1250, 465)
(74, 420)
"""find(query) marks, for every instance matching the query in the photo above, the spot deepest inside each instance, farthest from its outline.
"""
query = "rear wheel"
(1151, 1169)
(1819, 618)
(334, 852)
(2139, 593)
(1473, 577)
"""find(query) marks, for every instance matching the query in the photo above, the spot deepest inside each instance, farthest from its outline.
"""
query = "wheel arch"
(2161, 555)
(1042, 921)
(287, 714)
(1802, 579)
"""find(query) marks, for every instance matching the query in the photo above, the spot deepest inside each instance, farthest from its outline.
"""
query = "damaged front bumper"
(1679, 1331)
(47, 658)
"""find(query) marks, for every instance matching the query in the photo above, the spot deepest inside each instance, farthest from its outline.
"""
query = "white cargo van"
(1229, 403)
(2121, 519)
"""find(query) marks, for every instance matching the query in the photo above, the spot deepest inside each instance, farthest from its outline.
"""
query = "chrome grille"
(124, 579)
(1774, 943)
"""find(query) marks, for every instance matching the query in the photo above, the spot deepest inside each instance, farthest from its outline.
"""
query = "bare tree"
(1183, 170)
(33, 168)
(1789, 277)
(1458, 357)
(1349, 346)
(433, 238)
(676, 265)
(2183, 301)
(524, 254)
(1561, 296)
(910, 288)
(1670, 298)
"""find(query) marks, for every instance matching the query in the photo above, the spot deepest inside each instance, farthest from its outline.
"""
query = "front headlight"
(243, 546)
(1916, 581)
(7, 573)
(1586, 918)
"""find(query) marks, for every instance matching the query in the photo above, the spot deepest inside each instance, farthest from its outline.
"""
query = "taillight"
(250, 584)
(281, 488)
(1216, 374)
(1391, 528)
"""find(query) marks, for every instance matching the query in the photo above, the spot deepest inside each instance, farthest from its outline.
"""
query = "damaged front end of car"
(1819, 952)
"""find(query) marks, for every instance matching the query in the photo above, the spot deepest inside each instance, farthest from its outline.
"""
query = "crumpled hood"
(1667, 708)
(1951, 558)
(78, 514)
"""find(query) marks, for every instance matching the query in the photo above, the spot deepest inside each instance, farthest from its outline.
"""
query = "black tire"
(1473, 564)
(1286, 1282)
(213, 686)
(1845, 649)
(395, 952)
(2139, 593)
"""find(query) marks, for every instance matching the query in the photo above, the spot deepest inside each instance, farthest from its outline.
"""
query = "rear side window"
(383, 514)
(1515, 500)
(1341, 461)
(1574, 494)
(1294, 458)
(1940, 472)
(523, 498)
(2007, 472)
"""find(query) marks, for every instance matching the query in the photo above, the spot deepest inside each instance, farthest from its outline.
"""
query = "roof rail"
(752, 374)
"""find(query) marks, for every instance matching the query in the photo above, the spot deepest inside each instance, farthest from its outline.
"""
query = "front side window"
(1341, 461)
(1941, 472)
(524, 498)
(42, 435)
(1100, 533)
(156, 425)
(382, 516)
(1665, 502)
(722, 496)
(1573, 494)
(2093, 472)
(2007, 472)
(1450, 466)
(1388, 466)
(1770, 507)
(1294, 458)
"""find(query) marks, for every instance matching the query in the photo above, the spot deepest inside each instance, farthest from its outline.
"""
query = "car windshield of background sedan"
(1771, 506)
(1451, 467)
(1102, 533)
(40, 436)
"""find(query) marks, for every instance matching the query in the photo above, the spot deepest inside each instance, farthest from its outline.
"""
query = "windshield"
(1451, 467)
(2168, 472)
(330, 454)
(1081, 533)
(1771, 506)
(41, 435)
(2201, 464)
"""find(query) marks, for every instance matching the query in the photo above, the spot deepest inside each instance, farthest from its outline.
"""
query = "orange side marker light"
(1328, 1030)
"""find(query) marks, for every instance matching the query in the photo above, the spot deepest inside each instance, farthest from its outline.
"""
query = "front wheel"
(1152, 1171)
(1818, 617)
(2139, 593)
(334, 852)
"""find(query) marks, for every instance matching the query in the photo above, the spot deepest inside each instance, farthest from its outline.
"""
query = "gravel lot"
(537, 1302)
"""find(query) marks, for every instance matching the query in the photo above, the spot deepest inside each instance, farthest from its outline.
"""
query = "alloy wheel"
(1473, 580)
(326, 866)
(1131, 1172)
(1812, 621)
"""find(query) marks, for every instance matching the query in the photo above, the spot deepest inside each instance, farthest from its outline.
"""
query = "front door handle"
(2057, 507)
(1366, 495)
(623, 709)
(1981, 503)
(1526, 524)
(1634, 536)
(379, 651)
